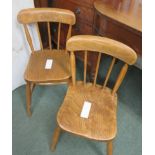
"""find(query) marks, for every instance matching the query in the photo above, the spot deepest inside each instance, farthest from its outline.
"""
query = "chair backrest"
(37, 15)
(117, 50)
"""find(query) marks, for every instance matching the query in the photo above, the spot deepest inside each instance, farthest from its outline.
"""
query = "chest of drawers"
(84, 12)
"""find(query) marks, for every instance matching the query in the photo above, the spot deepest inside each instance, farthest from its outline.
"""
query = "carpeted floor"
(32, 136)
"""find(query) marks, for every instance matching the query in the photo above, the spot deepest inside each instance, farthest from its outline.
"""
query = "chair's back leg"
(28, 98)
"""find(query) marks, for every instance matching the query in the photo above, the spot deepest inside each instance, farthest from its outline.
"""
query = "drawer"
(81, 12)
(85, 3)
(108, 28)
(82, 28)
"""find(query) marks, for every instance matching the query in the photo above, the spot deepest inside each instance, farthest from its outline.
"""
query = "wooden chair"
(35, 73)
(101, 125)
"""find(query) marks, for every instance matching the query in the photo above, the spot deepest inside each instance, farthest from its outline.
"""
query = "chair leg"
(109, 148)
(28, 98)
(55, 138)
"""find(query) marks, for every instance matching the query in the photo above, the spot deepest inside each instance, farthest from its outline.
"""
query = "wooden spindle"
(73, 67)
(69, 32)
(59, 29)
(28, 37)
(109, 72)
(49, 35)
(41, 45)
(97, 67)
(120, 78)
(85, 66)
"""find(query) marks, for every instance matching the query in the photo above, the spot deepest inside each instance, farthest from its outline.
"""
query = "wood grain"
(123, 16)
(34, 15)
(101, 124)
(131, 18)
(36, 72)
(103, 45)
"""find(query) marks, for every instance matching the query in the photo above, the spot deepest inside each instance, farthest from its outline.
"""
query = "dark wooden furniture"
(117, 19)
(42, 26)
(120, 20)
(84, 12)
(41, 3)
(35, 73)
(101, 124)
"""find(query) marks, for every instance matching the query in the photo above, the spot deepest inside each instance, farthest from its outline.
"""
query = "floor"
(32, 136)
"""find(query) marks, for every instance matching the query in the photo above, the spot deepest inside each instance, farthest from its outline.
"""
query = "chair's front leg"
(109, 148)
(28, 98)
(55, 138)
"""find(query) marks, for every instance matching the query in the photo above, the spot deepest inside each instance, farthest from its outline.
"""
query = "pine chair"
(101, 124)
(35, 73)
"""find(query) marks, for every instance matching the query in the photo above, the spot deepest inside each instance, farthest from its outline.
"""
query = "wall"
(20, 48)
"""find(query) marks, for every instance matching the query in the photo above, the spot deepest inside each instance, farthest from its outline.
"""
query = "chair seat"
(101, 123)
(36, 72)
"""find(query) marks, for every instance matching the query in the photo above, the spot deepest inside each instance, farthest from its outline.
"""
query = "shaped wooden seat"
(35, 72)
(101, 124)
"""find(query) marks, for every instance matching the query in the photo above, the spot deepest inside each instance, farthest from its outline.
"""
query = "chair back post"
(120, 78)
(28, 37)
(38, 15)
(39, 35)
(104, 45)
(73, 67)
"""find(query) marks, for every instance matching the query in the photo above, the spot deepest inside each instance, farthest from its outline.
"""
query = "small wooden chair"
(35, 73)
(101, 125)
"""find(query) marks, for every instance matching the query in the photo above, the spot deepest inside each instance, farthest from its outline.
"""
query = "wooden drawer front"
(82, 28)
(108, 28)
(85, 3)
(81, 12)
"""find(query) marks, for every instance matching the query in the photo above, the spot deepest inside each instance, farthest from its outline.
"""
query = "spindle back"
(89, 43)
(48, 15)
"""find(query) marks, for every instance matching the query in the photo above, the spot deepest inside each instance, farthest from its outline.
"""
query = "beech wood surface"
(35, 72)
(33, 15)
(103, 45)
(101, 124)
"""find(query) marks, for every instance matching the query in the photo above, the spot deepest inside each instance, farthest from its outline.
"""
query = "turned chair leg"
(28, 98)
(109, 148)
(55, 138)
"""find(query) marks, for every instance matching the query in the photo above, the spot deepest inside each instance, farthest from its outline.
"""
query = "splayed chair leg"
(109, 148)
(55, 138)
(28, 98)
